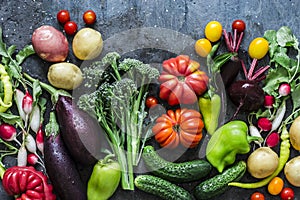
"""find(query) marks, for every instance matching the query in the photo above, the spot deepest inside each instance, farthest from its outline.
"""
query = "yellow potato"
(65, 75)
(87, 44)
(294, 133)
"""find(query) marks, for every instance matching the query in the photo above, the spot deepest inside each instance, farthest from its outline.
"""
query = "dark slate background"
(19, 18)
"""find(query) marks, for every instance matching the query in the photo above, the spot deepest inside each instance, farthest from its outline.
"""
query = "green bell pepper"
(104, 179)
(210, 108)
(229, 140)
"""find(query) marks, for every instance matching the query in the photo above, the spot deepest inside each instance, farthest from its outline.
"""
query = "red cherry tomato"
(151, 101)
(239, 25)
(287, 194)
(63, 16)
(70, 28)
(257, 196)
(89, 17)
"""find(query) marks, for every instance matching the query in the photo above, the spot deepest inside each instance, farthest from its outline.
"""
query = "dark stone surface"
(19, 18)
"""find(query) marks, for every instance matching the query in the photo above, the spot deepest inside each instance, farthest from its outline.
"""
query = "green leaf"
(283, 60)
(14, 71)
(285, 37)
(11, 50)
(296, 97)
(36, 91)
(274, 78)
(270, 35)
(10, 118)
(24, 53)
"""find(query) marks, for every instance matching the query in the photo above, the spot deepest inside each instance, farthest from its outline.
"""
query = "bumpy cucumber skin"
(161, 188)
(175, 172)
(219, 184)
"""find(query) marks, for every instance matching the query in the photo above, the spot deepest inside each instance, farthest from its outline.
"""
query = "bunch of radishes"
(29, 122)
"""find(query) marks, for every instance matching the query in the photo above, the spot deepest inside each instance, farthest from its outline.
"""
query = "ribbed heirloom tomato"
(181, 81)
(182, 126)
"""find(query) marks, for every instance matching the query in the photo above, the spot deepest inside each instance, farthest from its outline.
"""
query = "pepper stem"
(254, 138)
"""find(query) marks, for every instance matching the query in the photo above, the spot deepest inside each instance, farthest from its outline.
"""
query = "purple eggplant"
(60, 167)
(81, 133)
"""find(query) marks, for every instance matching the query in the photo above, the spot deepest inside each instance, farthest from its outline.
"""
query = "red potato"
(50, 44)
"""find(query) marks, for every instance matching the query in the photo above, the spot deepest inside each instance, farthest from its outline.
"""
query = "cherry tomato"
(275, 186)
(203, 47)
(257, 196)
(151, 101)
(89, 17)
(213, 31)
(70, 28)
(239, 25)
(258, 48)
(287, 194)
(63, 16)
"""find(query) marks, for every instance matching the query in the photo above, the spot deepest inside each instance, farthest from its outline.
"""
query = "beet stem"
(234, 38)
(239, 42)
(244, 68)
(260, 71)
(227, 40)
(251, 70)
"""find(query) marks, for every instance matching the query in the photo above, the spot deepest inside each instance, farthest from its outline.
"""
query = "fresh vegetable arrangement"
(109, 128)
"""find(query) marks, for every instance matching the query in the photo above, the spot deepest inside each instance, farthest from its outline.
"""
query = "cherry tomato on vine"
(239, 25)
(63, 16)
(203, 47)
(70, 27)
(257, 196)
(287, 194)
(213, 31)
(275, 186)
(151, 101)
(258, 48)
(89, 17)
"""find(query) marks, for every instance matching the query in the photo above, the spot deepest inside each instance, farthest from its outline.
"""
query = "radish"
(8, 133)
(248, 94)
(27, 103)
(31, 145)
(272, 139)
(264, 124)
(35, 118)
(22, 156)
(33, 159)
(254, 132)
(39, 139)
(269, 101)
(284, 89)
(19, 95)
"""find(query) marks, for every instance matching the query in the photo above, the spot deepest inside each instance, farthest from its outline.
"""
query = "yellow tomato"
(203, 47)
(258, 48)
(275, 186)
(213, 31)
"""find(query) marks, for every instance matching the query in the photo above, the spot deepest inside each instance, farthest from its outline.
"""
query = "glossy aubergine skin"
(62, 170)
(83, 136)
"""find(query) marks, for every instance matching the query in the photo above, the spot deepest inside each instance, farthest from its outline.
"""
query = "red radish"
(269, 101)
(39, 139)
(27, 103)
(32, 159)
(22, 156)
(284, 89)
(19, 95)
(8, 132)
(264, 124)
(272, 139)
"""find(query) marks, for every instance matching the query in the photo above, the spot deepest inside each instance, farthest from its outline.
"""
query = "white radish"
(255, 132)
(22, 156)
(35, 118)
(30, 143)
(19, 95)
(279, 116)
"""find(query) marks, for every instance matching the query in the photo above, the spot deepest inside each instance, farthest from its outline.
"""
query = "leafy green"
(10, 118)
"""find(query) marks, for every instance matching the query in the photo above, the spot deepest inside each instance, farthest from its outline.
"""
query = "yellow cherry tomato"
(258, 48)
(213, 31)
(203, 47)
(275, 186)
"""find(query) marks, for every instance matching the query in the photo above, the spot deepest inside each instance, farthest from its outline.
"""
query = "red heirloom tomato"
(181, 81)
(182, 126)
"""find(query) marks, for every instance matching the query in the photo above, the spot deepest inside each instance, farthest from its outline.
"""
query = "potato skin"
(292, 171)
(87, 44)
(50, 44)
(295, 134)
(65, 75)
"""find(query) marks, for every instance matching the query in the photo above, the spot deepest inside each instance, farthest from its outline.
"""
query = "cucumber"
(219, 184)
(175, 172)
(161, 188)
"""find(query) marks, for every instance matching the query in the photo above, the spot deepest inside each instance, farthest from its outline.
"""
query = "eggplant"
(60, 167)
(82, 134)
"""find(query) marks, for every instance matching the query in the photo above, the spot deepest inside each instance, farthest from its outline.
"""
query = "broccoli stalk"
(119, 105)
